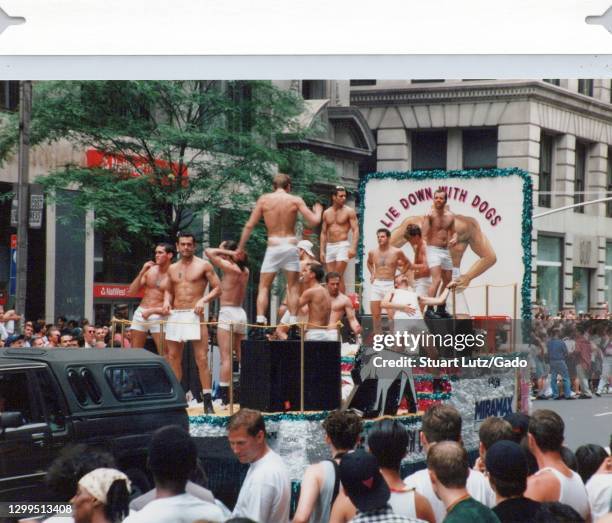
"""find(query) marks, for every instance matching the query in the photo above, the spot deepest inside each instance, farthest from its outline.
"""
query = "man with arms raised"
(148, 315)
(439, 233)
(318, 301)
(233, 290)
(279, 210)
(184, 300)
(338, 220)
(341, 306)
(382, 264)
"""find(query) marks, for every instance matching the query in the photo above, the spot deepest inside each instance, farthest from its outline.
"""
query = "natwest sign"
(135, 165)
(113, 291)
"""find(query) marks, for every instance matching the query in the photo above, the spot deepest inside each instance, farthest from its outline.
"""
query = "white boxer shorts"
(380, 288)
(439, 257)
(183, 325)
(283, 256)
(151, 324)
(234, 315)
(337, 251)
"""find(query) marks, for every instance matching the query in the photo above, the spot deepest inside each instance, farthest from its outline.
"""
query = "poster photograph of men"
(306, 300)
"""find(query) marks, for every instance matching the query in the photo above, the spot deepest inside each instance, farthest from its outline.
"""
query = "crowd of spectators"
(574, 352)
(63, 333)
(523, 474)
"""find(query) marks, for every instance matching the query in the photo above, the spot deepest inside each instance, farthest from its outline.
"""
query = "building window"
(314, 89)
(9, 95)
(585, 86)
(357, 83)
(609, 185)
(581, 289)
(608, 286)
(549, 269)
(429, 150)
(553, 81)
(480, 148)
(545, 181)
(580, 175)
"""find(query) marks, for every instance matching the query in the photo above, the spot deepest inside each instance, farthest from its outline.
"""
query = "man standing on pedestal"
(279, 209)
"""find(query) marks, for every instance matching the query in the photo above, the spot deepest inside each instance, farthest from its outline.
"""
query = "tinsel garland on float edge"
(526, 215)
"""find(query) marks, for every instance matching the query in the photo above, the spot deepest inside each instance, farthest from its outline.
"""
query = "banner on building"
(492, 217)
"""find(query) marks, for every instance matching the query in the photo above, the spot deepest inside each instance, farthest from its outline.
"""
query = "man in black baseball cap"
(367, 489)
(507, 468)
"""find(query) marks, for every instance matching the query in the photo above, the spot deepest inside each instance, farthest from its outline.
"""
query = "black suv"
(110, 398)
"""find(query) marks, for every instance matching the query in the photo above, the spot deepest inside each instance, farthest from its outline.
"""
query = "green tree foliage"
(172, 148)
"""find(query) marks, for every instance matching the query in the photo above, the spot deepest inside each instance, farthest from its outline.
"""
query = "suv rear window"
(130, 382)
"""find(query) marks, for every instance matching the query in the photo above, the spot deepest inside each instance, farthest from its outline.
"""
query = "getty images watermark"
(411, 341)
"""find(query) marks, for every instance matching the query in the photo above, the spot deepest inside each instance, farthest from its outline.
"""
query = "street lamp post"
(23, 175)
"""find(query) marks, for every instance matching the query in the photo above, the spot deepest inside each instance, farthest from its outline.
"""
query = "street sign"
(37, 205)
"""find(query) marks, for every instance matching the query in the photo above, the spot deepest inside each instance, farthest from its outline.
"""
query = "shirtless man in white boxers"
(382, 263)
(422, 275)
(279, 209)
(318, 301)
(439, 233)
(338, 220)
(341, 306)
(148, 315)
(233, 289)
(185, 298)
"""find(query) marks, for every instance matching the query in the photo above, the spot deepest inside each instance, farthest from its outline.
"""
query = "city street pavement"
(586, 421)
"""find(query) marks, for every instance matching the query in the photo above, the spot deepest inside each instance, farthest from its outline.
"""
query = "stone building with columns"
(559, 131)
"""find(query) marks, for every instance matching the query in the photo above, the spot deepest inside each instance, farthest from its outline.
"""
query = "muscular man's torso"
(338, 222)
(439, 228)
(385, 263)
(280, 213)
(465, 228)
(338, 309)
(233, 288)
(319, 307)
(188, 282)
(153, 293)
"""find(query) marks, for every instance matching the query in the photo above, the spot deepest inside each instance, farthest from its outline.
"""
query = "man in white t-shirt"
(443, 423)
(599, 490)
(172, 458)
(265, 494)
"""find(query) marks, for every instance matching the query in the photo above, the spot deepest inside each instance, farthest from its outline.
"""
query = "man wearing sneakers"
(554, 481)
(338, 221)
(148, 315)
(185, 298)
(439, 233)
(382, 264)
(279, 210)
(557, 353)
(233, 290)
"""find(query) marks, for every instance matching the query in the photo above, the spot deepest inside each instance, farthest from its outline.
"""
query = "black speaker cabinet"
(270, 375)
